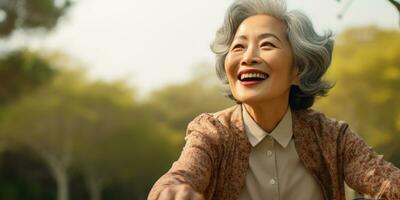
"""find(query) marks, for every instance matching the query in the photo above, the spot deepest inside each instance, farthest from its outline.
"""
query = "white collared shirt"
(275, 170)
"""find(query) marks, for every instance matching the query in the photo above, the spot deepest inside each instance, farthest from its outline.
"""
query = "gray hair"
(312, 52)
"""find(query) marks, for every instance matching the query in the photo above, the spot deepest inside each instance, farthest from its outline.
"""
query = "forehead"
(260, 24)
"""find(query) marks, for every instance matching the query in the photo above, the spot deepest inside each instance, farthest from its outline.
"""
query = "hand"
(180, 192)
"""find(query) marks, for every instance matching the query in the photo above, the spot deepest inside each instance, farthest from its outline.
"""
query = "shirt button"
(272, 181)
(269, 153)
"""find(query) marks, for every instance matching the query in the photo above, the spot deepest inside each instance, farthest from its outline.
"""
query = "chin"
(248, 98)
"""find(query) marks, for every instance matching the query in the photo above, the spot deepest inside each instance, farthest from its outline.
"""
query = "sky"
(151, 44)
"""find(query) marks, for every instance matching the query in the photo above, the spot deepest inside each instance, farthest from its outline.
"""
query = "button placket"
(270, 149)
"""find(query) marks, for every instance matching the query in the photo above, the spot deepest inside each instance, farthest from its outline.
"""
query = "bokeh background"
(95, 95)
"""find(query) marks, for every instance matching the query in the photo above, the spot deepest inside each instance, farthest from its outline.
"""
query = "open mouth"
(253, 76)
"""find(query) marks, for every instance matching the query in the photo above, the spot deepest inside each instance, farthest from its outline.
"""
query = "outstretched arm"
(366, 171)
(190, 174)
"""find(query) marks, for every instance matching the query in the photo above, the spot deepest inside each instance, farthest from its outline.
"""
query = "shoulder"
(216, 125)
(319, 121)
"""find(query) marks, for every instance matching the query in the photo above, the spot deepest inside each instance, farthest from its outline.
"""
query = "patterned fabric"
(215, 158)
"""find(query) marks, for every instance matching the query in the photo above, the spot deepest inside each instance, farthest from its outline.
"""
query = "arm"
(195, 164)
(366, 171)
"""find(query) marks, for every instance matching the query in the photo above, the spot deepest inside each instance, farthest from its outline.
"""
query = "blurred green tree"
(49, 122)
(23, 175)
(22, 71)
(178, 104)
(30, 14)
(120, 142)
(96, 128)
(136, 152)
(366, 69)
(105, 104)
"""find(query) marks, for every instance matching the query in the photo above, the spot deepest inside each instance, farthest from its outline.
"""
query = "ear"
(296, 76)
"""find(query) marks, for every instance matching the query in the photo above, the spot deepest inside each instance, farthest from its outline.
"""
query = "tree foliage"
(176, 105)
(30, 14)
(22, 71)
(49, 122)
(366, 69)
(93, 127)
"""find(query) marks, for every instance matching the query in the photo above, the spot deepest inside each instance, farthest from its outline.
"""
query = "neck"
(267, 115)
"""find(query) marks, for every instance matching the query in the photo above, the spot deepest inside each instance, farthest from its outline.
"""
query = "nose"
(251, 57)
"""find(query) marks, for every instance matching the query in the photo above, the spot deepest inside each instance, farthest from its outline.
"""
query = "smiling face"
(259, 64)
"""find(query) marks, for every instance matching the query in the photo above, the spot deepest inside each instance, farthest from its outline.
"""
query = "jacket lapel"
(308, 148)
(242, 148)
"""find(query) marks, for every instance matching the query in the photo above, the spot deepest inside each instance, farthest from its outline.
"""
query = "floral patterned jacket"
(215, 158)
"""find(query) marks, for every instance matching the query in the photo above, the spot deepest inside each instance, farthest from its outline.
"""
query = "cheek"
(284, 66)
(229, 66)
(226, 66)
(280, 58)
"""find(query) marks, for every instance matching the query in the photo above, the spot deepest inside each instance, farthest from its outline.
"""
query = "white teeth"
(253, 75)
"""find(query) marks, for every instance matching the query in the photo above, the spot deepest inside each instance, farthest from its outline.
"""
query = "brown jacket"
(215, 158)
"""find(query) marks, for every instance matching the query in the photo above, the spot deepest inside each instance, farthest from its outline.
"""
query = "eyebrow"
(264, 35)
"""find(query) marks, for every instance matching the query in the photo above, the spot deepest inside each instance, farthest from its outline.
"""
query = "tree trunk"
(59, 171)
(95, 191)
(60, 174)
(95, 187)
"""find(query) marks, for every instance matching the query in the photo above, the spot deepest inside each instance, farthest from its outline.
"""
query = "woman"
(272, 145)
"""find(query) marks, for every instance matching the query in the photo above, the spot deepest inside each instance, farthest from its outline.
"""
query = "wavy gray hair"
(312, 52)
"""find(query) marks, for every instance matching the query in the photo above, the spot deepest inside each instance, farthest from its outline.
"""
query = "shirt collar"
(282, 133)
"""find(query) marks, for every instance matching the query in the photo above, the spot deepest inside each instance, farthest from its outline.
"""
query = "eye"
(267, 44)
(238, 47)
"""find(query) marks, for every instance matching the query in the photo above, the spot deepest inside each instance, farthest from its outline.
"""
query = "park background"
(95, 95)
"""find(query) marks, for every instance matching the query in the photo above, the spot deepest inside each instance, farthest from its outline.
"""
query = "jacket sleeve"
(367, 172)
(195, 164)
